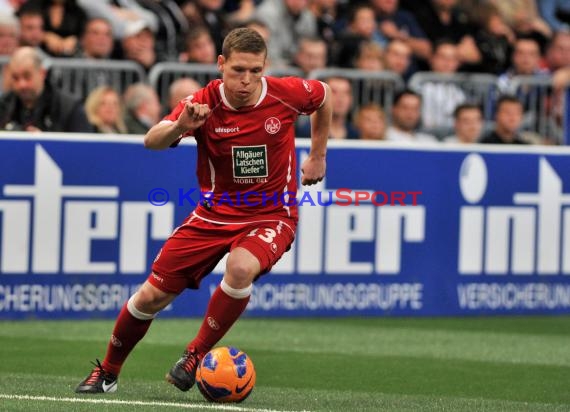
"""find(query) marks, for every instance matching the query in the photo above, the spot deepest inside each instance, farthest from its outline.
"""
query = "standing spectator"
(398, 58)
(311, 55)
(370, 121)
(200, 47)
(406, 114)
(508, 120)
(63, 24)
(181, 89)
(440, 97)
(32, 104)
(556, 13)
(395, 23)
(104, 111)
(468, 124)
(9, 34)
(97, 40)
(142, 108)
(32, 31)
(558, 51)
(288, 20)
(445, 20)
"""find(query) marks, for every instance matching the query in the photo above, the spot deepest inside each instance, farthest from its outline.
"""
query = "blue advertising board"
(392, 230)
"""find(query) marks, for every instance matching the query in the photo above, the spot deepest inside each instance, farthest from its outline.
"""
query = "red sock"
(223, 310)
(127, 333)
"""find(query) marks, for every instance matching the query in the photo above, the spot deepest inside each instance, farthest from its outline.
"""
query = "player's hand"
(193, 116)
(313, 170)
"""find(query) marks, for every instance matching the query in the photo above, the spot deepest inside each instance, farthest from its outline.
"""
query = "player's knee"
(239, 274)
(150, 300)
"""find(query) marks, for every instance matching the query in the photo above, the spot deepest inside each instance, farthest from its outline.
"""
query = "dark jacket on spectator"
(54, 112)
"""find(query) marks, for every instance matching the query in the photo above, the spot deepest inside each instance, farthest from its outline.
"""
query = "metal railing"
(80, 76)
(163, 74)
(367, 86)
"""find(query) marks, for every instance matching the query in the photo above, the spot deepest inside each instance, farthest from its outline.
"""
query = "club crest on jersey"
(272, 125)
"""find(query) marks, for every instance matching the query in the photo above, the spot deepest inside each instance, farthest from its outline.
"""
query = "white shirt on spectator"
(397, 135)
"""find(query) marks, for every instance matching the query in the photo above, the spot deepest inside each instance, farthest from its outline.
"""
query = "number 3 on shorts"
(267, 236)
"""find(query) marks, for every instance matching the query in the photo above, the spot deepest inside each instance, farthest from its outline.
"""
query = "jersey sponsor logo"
(307, 86)
(226, 130)
(272, 125)
(250, 161)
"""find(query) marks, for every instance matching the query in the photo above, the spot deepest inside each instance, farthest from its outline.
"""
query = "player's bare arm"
(163, 134)
(314, 166)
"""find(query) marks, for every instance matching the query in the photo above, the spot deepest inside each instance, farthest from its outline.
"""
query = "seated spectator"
(32, 31)
(370, 121)
(395, 23)
(181, 89)
(558, 51)
(209, 13)
(63, 24)
(32, 104)
(142, 108)
(119, 16)
(523, 18)
(445, 20)
(370, 57)
(468, 124)
(104, 111)
(406, 114)
(525, 62)
(342, 100)
(440, 98)
(200, 47)
(508, 121)
(311, 54)
(97, 40)
(138, 45)
(327, 15)
(9, 34)
(398, 58)
(288, 21)
(556, 13)
(361, 27)
(494, 39)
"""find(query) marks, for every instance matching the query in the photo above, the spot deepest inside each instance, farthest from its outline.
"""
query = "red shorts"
(195, 248)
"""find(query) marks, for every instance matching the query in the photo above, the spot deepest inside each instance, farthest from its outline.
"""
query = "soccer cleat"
(98, 381)
(183, 373)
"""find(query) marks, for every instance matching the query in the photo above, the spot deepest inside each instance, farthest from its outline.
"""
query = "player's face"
(242, 74)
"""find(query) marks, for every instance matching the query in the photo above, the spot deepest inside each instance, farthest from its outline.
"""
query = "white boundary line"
(218, 406)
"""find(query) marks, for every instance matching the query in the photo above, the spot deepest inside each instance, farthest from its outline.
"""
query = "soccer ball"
(225, 374)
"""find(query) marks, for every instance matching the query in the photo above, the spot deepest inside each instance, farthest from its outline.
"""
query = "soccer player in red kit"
(244, 129)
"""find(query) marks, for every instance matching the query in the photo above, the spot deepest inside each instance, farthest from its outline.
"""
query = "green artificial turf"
(349, 364)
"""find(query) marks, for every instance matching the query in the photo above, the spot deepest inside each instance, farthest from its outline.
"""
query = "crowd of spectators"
(503, 38)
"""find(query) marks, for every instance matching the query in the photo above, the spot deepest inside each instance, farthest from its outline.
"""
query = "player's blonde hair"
(245, 40)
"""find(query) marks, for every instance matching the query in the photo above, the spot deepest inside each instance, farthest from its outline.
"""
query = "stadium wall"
(472, 230)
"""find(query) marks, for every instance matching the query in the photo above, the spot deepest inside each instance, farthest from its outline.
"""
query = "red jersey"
(246, 157)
